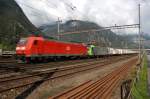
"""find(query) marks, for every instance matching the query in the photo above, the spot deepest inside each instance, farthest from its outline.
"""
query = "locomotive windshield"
(22, 41)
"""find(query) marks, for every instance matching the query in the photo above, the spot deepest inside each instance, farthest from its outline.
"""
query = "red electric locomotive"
(37, 48)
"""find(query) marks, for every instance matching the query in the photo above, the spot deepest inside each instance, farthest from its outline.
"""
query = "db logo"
(68, 48)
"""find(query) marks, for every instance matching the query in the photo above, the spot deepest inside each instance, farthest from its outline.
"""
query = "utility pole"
(142, 42)
(139, 31)
(58, 28)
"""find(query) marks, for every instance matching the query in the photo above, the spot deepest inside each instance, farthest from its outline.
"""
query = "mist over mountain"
(145, 38)
(102, 38)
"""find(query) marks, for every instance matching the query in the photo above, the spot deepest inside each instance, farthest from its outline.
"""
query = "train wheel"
(45, 59)
(27, 60)
(23, 59)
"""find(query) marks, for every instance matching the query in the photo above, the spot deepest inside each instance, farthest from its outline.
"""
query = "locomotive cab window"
(22, 41)
(35, 42)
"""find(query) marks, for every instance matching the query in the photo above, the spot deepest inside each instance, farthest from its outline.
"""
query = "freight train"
(35, 48)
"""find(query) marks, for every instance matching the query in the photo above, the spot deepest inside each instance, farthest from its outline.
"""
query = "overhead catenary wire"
(102, 29)
(37, 12)
(73, 8)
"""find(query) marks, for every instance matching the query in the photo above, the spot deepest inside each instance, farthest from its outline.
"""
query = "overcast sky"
(103, 12)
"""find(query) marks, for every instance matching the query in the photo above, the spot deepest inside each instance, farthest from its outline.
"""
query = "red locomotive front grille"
(21, 46)
(20, 50)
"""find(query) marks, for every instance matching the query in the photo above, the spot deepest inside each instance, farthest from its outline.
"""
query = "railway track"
(5, 67)
(14, 61)
(7, 83)
(23, 66)
(11, 70)
(100, 89)
(16, 67)
(8, 66)
(40, 71)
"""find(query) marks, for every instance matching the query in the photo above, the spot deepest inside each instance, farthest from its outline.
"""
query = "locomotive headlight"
(20, 48)
(17, 48)
(23, 48)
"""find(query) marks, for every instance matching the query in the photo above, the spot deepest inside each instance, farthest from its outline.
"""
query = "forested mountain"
(13, 24)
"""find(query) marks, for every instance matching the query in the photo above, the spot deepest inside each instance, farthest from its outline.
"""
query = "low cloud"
(103, 12)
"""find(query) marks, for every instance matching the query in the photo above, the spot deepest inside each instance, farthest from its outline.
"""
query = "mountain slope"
(135, 38)
(13, 24)
(102, 38)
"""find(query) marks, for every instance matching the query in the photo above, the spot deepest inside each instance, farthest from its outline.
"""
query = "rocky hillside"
(135, 38)
(13, 24)
(102, 38)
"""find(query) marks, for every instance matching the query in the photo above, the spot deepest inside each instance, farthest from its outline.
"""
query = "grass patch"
(140, 89)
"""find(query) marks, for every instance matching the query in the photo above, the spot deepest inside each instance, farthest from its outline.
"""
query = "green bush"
(140, 88)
